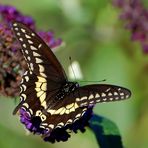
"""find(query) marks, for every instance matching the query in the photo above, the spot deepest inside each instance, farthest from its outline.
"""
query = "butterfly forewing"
(35, 90)
(89, 95)
(45, 75)
(40, 59)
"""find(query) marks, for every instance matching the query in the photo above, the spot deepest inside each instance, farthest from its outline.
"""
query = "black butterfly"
(45, 90)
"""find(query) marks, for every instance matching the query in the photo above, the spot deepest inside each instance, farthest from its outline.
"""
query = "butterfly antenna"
(72, 68)
(93, 81)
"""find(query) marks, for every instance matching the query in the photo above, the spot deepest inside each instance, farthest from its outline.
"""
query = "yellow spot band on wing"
(64, 110)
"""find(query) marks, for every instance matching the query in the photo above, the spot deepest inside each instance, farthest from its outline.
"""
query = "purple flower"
(9, 13)
(48, 37)
(58, 134)
(12, 63)
(136, 18)
(31, 123)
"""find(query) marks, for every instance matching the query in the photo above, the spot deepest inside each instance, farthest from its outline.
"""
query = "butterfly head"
(70, 86)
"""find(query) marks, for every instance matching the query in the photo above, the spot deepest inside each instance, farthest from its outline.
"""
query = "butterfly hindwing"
(73, 106)
(59, 116)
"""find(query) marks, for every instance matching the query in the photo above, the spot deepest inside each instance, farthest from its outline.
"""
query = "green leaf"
(106, 132)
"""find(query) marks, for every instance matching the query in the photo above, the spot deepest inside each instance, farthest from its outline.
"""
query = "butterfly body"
(47, 99)
(66, 89)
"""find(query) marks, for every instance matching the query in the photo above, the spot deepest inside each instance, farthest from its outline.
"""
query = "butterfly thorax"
(66, 89)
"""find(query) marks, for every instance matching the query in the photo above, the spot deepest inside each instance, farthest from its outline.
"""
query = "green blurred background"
(96, 38)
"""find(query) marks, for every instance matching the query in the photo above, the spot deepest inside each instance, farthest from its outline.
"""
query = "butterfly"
(45, 91)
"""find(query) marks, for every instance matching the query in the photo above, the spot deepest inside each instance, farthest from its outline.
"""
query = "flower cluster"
(49, 39)
(136, 17)
(10, 13)
(58, 134)
(12, 64)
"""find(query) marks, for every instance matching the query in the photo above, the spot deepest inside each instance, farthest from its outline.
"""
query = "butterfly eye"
(38, 113)
(43, 117)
